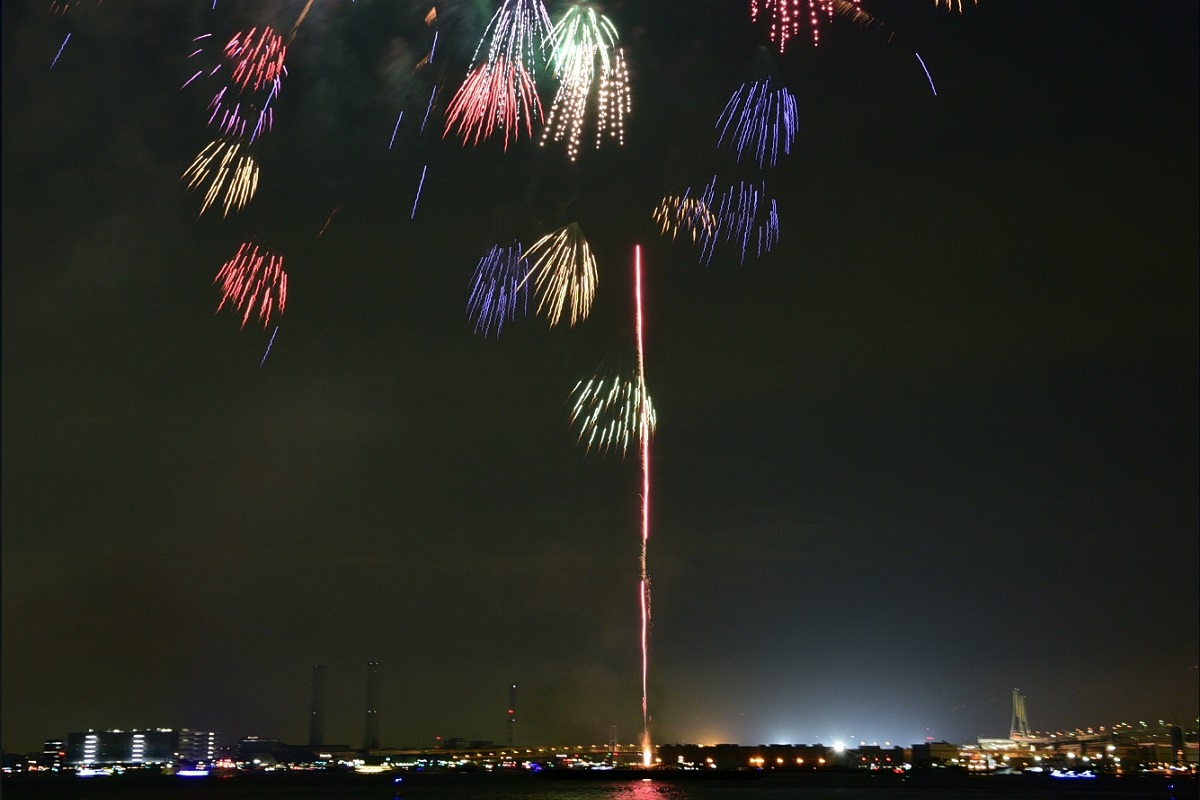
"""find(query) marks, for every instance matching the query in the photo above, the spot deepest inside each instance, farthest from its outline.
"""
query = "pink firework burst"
(788, 17)
(499, 93)
(253, 281)
(256, 57)
(249, 71)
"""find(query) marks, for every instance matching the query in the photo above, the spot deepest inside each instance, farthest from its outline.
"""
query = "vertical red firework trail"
(644, 430)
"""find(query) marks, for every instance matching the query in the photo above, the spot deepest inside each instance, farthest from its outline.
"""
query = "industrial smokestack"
(316, 719)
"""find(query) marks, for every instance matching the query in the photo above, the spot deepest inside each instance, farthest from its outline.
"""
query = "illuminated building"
(136, 747)
(196, 745)
(54, 753)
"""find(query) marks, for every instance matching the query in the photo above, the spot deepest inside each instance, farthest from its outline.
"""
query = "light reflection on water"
(557, 790)
(646, 790)
(421, 787)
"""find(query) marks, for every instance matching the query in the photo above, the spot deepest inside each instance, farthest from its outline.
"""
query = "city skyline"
(370, 741)
(939, 442)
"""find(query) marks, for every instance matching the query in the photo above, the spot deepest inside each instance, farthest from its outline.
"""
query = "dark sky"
(940, 443)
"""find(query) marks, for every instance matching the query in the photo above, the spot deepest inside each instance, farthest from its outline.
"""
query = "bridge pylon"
(1019, 729)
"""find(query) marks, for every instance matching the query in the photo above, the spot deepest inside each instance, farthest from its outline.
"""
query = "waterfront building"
(54, 754)
(139, 747)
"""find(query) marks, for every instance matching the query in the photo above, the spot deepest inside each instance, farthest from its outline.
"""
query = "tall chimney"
(371, 735)
(512, 714)
(316, 719)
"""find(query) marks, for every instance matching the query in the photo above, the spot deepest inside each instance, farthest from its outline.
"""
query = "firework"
(328, 220)
(242, 106)
(428, 108)
(498, 288)
(268, 351)
(233, 116)
(607, 411)
(585, 55)
(759, 119)
(61, 8)
(742, 216)
(428, 58)
(610, 412)
(927, 75)
(226, 166)
(612, 100)
(787, 17)
(563, 270)
(256, 58)
(682, 213)
(499, 93)
(645, 425)
(395, 130)
(417, 197)
(746, 218)
(299, 19)
(253, 281)
(61, 47)
(517, 32)
(954, 5)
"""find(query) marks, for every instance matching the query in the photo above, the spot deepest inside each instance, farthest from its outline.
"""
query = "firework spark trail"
(231, 120)
(395, 130)
(220, 164)
(497, 288)
(612, 100)
(501, 90)
(954, 5)
(328, 220)
(763, 120)
(607, 411)
(927, 75)
(518, 32)
(72, 7)
(428, 108)
(787, 17)
(745, 216)
(583, 52)
(691, 214)
(61, 47)
(265, 118)
(268, 352)
(195, 53)
(257, 64)
(303, 14)
(644, 430)
(498, 93)
(253, 281)
(417, 199)
(564, 270)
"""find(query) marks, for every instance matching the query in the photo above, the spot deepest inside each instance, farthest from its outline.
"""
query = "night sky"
(940, 443)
